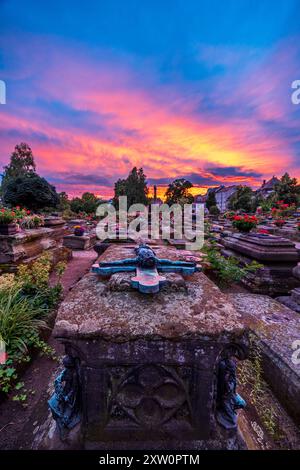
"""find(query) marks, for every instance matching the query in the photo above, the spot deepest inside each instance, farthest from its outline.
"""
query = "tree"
(287, 190)
(214, 210)
(178, 192)
(243, 199)
(30, 191)
(211, 200)
(21, 164)
(87, 203)
(64, 203)
(134, 187)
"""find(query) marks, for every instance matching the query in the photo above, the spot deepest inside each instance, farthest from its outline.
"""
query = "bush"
(30, 191)
(20, 319)
(25, 300)
(227, 269)
(214, 210)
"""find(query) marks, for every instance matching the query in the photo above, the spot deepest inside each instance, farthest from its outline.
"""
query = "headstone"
(277, 255)
(27, 245)
(84, 242)
(152, 370)
(292, 301)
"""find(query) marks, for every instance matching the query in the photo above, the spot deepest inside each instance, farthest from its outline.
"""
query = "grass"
(20, 319)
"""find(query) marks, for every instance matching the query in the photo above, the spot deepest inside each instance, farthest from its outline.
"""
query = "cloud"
(86, 115)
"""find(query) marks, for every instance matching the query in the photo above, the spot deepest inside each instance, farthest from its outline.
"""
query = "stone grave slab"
(85, 242)
(278, 255)
(148, 366)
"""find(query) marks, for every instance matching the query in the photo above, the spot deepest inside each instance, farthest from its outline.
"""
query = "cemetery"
(149, 233)
(142, 343)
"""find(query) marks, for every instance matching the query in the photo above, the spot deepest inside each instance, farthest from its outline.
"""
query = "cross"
(147, 268)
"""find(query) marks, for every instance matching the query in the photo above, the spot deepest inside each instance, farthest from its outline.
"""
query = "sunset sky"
(183, 88)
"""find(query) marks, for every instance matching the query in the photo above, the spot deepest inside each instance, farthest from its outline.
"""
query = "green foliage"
(243, 199)
(265, 204)
(64, 202)
(178, 192)
(251, 375)
(31, 221)
(19, 319)
(7, 216)
(211, 200)
(21, 163)
(25, 300)
(287, 190)
(134, 187)
(214, 210)
(227, 270)
(30, 191)
(88, 203)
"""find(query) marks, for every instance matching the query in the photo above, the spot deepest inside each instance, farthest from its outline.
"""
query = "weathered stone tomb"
(152, 368)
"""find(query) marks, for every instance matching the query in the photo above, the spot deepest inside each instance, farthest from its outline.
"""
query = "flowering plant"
(31, 221)
(20, 213)
(78, 230)
(279, 222)
(7, 216)
(229, 215)
(244, 223)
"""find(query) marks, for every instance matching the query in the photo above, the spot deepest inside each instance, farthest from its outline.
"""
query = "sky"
(183, 88)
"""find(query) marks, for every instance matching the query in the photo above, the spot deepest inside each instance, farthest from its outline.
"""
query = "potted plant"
(279, 223)
(78, 230)
(7, 222)
(31, 221)
(244, 223)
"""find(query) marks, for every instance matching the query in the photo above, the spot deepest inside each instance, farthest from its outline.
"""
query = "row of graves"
(153, 346)
(23, 240)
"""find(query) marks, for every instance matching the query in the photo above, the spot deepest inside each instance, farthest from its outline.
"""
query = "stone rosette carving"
(150, 395)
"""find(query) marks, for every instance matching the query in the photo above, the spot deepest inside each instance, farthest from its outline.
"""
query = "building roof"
(270, 184)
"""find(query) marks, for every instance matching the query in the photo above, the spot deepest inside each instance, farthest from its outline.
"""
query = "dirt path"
(14, 417)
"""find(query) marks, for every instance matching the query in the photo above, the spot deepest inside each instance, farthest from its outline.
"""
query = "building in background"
(268, 187)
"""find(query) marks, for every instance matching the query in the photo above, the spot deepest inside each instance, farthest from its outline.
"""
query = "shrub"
(25, 300)
(214, 210)
(30, 191)
(20, 319)
(227, 269)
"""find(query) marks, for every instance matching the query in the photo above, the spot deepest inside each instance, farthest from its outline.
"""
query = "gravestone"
(27, 245)
(149, 370)
(84, 242)
(277, 255)
(292, 301)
